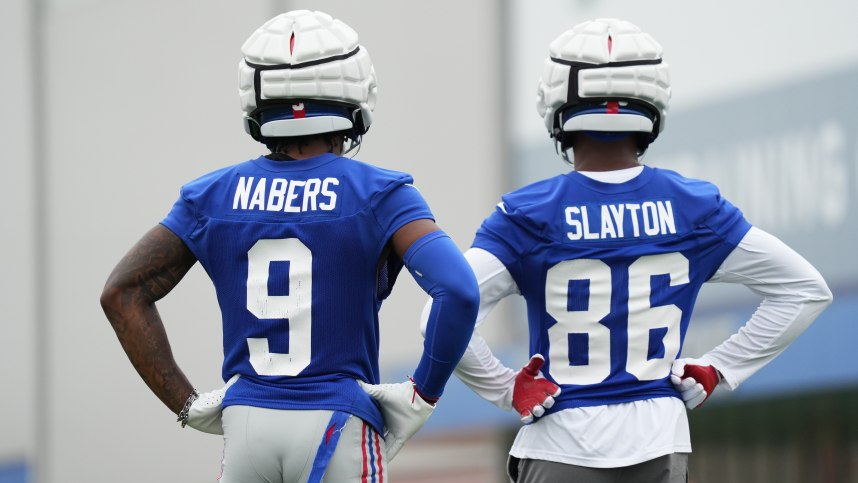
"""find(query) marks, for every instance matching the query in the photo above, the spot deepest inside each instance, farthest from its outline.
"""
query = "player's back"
(295, 249)
(610, 273)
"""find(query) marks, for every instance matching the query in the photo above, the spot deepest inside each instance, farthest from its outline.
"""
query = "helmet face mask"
(304, 73)
(604, 75)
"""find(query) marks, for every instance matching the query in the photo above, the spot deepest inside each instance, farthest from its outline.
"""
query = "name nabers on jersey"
(285, 195)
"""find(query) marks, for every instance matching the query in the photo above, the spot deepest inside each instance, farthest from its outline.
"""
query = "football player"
(610, 258)
(302, 245)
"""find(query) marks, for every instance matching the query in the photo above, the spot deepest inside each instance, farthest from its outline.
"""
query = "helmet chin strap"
(564, 153)
(354, 145)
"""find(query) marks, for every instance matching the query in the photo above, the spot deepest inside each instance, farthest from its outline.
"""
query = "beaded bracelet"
(183, 414)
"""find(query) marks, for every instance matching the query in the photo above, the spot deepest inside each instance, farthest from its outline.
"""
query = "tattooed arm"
(146, 274)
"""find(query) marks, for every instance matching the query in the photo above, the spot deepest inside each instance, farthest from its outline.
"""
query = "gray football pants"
(290, 446)
(672, 468)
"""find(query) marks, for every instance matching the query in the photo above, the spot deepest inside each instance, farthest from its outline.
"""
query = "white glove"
(695, 380)
(404, 411)
(204, 414)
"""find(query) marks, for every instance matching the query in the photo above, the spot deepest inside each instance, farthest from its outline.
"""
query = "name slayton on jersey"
(620, 220)
(285, 195)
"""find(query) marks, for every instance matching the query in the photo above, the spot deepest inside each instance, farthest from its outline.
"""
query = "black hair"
(642, 140)
(279, 145)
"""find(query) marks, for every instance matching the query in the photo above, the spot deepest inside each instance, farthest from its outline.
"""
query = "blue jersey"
(298, 254)
(610, 274)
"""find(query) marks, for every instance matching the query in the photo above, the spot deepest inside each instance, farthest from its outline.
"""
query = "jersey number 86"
(595, 366)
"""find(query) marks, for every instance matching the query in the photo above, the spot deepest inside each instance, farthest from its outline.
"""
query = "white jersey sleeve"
(479, 369)
(794, 294)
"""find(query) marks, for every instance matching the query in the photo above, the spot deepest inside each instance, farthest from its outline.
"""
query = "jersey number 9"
(295, 306)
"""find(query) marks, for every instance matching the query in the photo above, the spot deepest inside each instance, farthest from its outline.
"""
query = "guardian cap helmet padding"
(304, 73)
(604, 75)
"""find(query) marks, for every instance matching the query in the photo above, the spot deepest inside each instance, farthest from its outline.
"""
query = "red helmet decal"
(298, 111)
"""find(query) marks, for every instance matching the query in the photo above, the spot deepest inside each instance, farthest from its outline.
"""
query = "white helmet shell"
(598, 63)
(303, 56)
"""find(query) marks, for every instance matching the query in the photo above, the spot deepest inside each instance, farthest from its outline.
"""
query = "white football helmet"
(304, 73)
(604, 75)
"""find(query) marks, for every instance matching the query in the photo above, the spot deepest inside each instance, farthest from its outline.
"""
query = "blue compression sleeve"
(440, 269)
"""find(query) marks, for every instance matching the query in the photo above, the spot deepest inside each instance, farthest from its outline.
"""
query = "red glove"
(694, 381)
(533, 393)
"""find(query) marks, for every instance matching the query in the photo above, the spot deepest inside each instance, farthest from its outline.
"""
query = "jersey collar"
(602, 187)
(295, 165)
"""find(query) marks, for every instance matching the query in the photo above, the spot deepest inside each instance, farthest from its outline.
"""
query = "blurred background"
(108, 107)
